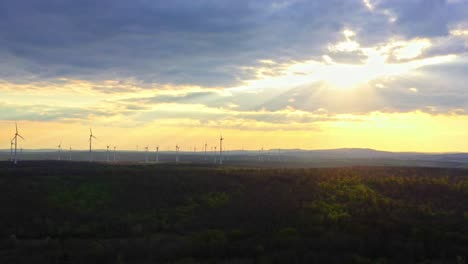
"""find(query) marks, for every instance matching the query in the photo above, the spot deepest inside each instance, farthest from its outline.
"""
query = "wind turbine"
(91, 145)
(11, 150)
(262, 157)
(205, 149)
(215, 157)
(114, 153)
(107, 152)
(221, 149)
(59, 147)
(146, 154)
(157, 154)
(177, 153)
(69, 157)
(15, 138)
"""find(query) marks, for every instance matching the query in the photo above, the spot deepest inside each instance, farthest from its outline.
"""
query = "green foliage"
(96, 213)
(87, 197)
(332, 211)
(215, 199)
(209, 243)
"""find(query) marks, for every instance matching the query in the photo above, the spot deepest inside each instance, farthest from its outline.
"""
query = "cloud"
(46, 113)
(424, 18)
(273, 62)
(205, 43)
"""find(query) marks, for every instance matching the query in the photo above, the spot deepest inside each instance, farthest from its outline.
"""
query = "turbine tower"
(221, 149)
(157, 154)
(70, 153)
(91, 145)
(114, 153)
(215, 157)
(59, 149)
(177, 153)
(107, 152)
(205, 149)
(15, 139)
(11, 150)
(146, 154)
(261, 155)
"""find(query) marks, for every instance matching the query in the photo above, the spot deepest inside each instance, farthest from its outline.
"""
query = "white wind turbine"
(114, 153)
(177, 153)
(205, 149)
(157, 154)
(59, 150)
(261, 154)
(221, 149)
(146, 153)
(91, 145)
(107, 153)
(215, 157)
(70, 154)
(15, 139)
(11, 150)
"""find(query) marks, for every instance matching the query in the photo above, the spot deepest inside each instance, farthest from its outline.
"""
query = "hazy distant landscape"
(268, 158)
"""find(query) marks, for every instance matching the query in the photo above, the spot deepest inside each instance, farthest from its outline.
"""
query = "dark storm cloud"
(183, 42)
(425, 18)
(219, 43)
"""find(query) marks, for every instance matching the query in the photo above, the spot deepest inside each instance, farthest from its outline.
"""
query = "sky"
(382, 74)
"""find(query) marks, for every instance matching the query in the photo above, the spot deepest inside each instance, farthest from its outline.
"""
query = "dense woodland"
(70, 212)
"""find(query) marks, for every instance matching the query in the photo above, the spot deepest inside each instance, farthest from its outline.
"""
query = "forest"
(79, 212)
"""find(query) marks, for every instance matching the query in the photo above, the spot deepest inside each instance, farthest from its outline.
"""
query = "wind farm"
(234, 132)
(275, 157)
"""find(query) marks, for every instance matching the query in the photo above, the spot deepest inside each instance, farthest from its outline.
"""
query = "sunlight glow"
(412, 49)
(445, 132)
(368, 4)
(343, 75)
(459, 32)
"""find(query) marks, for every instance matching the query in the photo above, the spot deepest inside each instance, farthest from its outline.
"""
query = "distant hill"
(267, 158)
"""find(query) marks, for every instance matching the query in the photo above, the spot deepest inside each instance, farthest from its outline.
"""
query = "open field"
(78, 212)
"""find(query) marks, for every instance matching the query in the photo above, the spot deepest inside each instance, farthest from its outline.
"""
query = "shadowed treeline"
(62, 212)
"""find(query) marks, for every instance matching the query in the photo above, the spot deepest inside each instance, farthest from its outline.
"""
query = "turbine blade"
(21, 136)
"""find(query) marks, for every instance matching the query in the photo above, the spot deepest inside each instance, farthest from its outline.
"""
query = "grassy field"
(71, 212)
